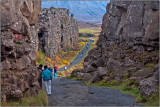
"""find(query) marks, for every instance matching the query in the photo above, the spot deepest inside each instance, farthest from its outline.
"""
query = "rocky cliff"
(24, 28)
(128, 46)
(56, 30)
(19, 74)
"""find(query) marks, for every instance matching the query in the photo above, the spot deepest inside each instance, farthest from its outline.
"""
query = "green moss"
(149, 101)
(114, 15)
(112, 47)
(127, 51)
(114, 57)
(141, 99)
(150, 65)
(112, 83)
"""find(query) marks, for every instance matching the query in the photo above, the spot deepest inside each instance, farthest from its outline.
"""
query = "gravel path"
(78, 57)
(66, 92)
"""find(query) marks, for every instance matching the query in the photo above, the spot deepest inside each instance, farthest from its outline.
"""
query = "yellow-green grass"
(85, 39)
(41, 58)
(149, 101)
(40, 100)
(88, 31)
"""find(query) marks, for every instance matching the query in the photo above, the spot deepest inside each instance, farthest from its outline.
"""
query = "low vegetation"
(88, 31)
(128, 87)
(40, 100)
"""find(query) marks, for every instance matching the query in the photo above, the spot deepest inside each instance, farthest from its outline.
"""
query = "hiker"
(47, 77)
(50, 69)
(82, 54)
(55, 71)
(40, 67)
(65, 68)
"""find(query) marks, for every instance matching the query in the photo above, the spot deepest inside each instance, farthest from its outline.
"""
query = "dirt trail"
(78, 57)
(66, 92)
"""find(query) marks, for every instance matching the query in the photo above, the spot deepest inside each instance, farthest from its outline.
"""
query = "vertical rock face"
(128, 44)
(56, 30)
(19, 74)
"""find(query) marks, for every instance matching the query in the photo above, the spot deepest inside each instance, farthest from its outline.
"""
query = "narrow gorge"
(110, 63)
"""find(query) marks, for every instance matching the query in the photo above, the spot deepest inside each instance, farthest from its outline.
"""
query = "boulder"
(148, 86)
(102, 71)
(89, 69)
(23, 62)
(156, 74)
(75, 72)
(17, 94)
(95, 77)
(85, 76)
(6, 65)
(113, 65)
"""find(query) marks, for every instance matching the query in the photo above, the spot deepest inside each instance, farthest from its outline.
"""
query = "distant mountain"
(85, 11)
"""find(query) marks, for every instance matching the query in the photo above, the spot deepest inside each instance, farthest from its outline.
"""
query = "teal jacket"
(46, 75)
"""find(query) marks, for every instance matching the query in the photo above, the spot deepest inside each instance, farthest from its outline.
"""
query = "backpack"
(50, 69)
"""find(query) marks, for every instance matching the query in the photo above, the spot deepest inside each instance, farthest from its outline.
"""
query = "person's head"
(40, 65)
(45, 67)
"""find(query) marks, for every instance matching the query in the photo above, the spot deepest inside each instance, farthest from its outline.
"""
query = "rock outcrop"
(128, 45)
(56, 30)
(19, 74)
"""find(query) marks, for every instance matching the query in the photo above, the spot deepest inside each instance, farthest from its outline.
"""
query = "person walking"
(55, 71)
(65, 68)
(40, 67)
(82, 53)
(47, 77)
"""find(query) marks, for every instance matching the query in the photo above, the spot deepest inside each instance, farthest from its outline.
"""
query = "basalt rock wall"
(128, 46)
(19, 75)
(57, 30)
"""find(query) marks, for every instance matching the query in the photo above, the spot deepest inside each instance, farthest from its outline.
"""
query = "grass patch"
(127, 51)
(150, 65)
(41, 58)
(149, 101)
(40, 100)
(126, 86)
(88, 31)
